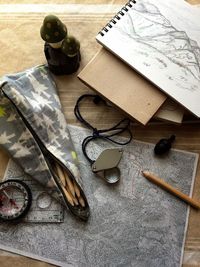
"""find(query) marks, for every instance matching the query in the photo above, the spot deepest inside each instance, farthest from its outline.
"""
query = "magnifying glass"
(106, 165)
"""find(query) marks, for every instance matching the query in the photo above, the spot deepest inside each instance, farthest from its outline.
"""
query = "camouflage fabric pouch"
(34, 131)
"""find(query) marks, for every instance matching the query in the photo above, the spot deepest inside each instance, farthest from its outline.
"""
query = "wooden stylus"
(156, 180)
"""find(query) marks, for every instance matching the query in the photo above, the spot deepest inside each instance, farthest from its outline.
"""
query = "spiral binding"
(117, 17)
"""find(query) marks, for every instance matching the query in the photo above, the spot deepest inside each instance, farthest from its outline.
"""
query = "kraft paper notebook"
(161, 41)
(117, 82)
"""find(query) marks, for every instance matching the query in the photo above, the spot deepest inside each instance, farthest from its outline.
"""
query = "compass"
(15, 200)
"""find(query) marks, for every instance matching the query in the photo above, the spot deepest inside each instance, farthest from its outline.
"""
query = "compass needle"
(15, 198)
(6, 194)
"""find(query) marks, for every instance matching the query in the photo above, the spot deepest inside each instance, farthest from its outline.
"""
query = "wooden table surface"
(22, 47)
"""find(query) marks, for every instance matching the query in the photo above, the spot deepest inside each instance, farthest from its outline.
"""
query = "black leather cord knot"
(106, 134)
(96, 132)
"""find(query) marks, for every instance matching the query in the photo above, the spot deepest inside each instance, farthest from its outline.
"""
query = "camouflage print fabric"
(31, 122)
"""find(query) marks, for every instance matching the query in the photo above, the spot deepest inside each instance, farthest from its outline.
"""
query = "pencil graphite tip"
(145, 173)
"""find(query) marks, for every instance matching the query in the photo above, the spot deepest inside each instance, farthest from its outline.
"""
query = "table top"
(22, 47)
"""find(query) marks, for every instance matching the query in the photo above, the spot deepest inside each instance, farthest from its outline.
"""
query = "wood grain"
(22, 47)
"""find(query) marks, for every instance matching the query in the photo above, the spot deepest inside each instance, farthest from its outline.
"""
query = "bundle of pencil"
(70, 187)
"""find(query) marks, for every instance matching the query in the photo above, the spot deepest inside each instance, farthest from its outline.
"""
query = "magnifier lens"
(44, 201)
(112, 175)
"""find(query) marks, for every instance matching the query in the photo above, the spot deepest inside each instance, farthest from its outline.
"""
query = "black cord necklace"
(108, 159)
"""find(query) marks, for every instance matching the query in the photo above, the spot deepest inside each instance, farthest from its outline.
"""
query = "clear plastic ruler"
(44, 208)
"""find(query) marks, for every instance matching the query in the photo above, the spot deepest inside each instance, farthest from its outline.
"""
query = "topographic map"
(132, 223)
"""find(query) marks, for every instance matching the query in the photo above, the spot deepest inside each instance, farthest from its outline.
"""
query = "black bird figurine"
(164, 145)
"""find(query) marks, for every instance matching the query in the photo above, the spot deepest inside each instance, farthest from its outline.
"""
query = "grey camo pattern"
(34, 94)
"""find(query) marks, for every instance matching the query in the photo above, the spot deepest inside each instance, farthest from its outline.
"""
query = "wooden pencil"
(81, 201)
(69, 198)
(76, 188)
(69, 183)
(158, 181)
(75, 200)
(60, 173)
(70, 188)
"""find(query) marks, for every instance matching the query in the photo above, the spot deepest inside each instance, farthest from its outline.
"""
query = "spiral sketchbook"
(161, 41)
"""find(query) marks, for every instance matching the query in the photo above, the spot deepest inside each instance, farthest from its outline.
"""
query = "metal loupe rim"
(112, 176)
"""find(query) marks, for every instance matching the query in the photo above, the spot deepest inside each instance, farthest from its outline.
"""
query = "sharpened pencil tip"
(144, 172)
